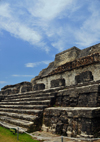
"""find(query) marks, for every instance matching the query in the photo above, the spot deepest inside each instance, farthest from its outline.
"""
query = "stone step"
(29, 95)
(28, 99)
(23, 111)
(41, 107)
(18, 122)
(19, 116)
(10, 126)
(43, 102)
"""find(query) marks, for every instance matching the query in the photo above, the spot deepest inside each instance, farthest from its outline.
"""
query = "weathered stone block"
(25, 88)
(64, 129)
(79, 121)
(66, 56)
(83, 96)
(57, 83)
(39, 86)
(88, 99)
(84, 77)
(59, 128)
(17, 88)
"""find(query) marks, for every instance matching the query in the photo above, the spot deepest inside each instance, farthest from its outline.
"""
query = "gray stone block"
(84, 77)
(79, 121)
(57, 83)
(39, 86)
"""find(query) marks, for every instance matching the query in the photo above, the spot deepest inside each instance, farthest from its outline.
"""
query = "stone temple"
(63, 99)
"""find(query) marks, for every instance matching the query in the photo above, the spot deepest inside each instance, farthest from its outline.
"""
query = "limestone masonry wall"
(68, 60)
(66, 56)
(70, 76)
(72, 122)
(17, 88)
(83, 96)
(70, 70)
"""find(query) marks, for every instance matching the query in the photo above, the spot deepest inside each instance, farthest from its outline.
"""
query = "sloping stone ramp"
(25, 110)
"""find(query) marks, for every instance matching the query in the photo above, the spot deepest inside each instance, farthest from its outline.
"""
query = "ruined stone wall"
(72, 122)
(90, 50)
(83, 96)
(66, 56)
(70, 59)
(1, 96)
(16, 88)
(73, 80)
(74, 53)
(76, 112)
(69, 76)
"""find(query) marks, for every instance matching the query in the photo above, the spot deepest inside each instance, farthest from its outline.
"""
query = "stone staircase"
(25, 110)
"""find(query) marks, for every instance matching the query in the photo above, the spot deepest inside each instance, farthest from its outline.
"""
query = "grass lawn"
(7, 136)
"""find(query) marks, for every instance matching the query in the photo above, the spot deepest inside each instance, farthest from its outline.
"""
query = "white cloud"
(59, 45)
(3, 82)
(89, 32)
(4, 8)
(16, 75)
(33, 26)
(57, 22)
(11, 24)
(48, 10)
(32, 65)
(45, 62)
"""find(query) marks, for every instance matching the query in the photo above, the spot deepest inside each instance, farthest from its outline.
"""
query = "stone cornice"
(80, 62)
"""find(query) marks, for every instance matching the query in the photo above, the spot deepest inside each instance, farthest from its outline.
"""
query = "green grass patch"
(7, 136)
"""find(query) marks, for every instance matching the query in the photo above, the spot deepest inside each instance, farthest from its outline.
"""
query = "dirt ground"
(49, 137)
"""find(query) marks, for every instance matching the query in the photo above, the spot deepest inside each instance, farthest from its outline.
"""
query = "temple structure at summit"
(64, 98)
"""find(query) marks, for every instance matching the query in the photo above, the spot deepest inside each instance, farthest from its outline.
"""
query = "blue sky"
(33, 31)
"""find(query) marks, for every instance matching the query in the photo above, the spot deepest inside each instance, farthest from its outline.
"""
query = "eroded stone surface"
(57, 83)
(72, 121)
(68, 60)
(84, 77)
(87, 96)
(17, 88)
(39, 86)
